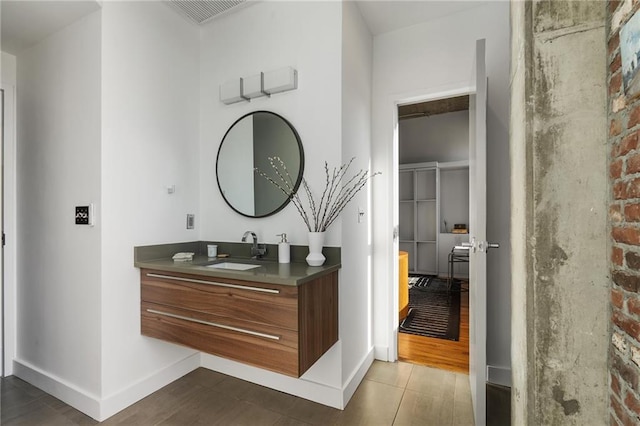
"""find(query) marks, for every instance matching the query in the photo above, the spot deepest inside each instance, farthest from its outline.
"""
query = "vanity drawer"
(267, 304)
(260, 345)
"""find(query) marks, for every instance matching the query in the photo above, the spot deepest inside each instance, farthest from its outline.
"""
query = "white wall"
(8, 72)
(441, 137)
(437, 57)
(58, 159)
(356, 281)
(150, 101)
(264, 37)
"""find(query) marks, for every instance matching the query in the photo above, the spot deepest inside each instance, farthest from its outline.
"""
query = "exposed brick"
(615, 169)
(618, 104)
(633, 164)
(627, 282)
(632, 404)
(633, 188)
(615, 128)
(633, 260)
(621, 414)
(617, 298)
(628, 373)
(615, 384)
(633, 305)
(615, 213)
(613, 421)
(620, 191)
(615, 84)
(629, 143)
(632, 212)
(634, 117)
(613, 5)
(628, 325)
(614, 42)
(635, 355)
(615, 63)
(626, 235)
(618, 341)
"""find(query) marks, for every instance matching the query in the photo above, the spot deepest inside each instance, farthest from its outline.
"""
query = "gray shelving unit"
(429, 194)
(419, 212)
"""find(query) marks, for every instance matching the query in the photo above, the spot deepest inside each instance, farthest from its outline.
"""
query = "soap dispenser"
(284, 250)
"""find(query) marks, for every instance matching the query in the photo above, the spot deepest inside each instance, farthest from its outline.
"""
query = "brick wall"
(624, 173)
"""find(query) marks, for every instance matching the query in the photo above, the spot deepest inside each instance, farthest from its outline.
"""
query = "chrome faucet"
(256, 251)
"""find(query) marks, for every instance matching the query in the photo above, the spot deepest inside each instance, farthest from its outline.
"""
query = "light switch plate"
(191, 219)
(84, 215)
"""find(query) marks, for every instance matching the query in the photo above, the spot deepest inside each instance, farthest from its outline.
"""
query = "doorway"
(433, 210)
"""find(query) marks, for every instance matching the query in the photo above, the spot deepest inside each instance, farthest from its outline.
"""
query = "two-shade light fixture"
(263, 84)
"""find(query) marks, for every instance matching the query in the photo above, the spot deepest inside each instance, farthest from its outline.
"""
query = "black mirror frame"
(300, 173)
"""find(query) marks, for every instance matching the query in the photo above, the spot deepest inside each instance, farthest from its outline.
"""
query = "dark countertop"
(159, 258)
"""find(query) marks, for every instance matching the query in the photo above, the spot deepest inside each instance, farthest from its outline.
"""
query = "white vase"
(316, 242)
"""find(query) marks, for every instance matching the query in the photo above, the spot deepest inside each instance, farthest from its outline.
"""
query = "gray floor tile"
(373, 404)
(391, 394)
(391, 373)
(432, 408)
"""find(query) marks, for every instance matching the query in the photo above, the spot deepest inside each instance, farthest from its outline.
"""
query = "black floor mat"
(434, 310)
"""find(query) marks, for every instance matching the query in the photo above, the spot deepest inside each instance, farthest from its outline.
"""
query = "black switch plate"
(83, 215)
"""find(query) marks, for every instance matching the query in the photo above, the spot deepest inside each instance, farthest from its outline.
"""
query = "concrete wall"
(624, 351)
(559, 213)
(436, 58)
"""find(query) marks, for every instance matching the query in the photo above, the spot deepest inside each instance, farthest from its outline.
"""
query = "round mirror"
(248, 145)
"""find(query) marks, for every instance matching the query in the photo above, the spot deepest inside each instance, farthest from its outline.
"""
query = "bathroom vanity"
(281, 317)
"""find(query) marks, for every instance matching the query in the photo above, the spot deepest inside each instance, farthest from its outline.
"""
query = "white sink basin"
(232, 265)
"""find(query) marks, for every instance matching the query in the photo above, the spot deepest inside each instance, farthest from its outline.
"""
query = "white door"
(478, 238)
(1, 286)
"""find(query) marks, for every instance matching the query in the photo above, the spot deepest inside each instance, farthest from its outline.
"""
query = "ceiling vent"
(202, 11)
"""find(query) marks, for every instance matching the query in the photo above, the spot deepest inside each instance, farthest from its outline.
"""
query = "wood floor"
(440, 353)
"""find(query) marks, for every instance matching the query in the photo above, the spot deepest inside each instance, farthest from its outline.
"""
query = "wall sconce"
(231, 92)
(263, 84)
(252, 86)
(280, 80)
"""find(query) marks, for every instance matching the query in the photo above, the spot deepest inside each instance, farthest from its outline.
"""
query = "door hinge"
(4, 239)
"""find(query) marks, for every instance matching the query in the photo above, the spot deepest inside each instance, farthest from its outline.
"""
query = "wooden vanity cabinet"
(277, 327)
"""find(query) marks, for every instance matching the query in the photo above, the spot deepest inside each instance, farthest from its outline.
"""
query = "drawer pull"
(213, 324)
(241, 287)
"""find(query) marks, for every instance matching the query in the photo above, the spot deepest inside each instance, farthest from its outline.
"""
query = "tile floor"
(391, 394)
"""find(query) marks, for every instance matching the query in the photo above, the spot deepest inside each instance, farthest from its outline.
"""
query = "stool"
(457, 254)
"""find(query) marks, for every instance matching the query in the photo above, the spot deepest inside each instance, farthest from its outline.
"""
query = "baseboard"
(120, 400)
(350, 386)
(499, 375)
(92, 405)
(68, 393)
(381, 353)
(317, 392)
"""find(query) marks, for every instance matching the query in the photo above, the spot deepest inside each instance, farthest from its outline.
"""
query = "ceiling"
(383, 16)
(26, 22)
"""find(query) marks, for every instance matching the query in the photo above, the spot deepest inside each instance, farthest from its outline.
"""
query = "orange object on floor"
(403, 284)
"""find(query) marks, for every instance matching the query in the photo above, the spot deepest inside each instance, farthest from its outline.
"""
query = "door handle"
(492, 245)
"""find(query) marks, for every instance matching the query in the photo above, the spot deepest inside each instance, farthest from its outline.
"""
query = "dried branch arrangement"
(335, 197)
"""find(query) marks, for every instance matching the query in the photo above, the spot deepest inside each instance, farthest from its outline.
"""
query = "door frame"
(8, 253)
(424, 95)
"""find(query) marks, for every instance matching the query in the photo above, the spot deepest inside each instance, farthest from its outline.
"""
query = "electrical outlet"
(84, 215)
(191, 219)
